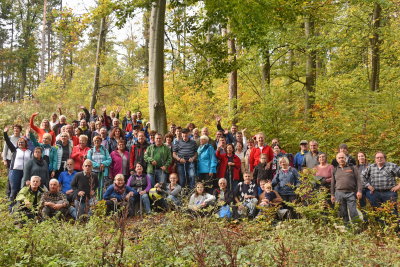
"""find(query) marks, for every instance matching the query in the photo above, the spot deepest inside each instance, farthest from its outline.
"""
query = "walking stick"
(79, 207)
(140, 206)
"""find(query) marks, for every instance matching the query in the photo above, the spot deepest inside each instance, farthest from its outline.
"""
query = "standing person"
(256, 152)
(20, 155)
(250, 145)
(119, 162)
(206, 162)
(36, 166)
(158, 158)
(345, 187)
(286, 180)
(230, 135)
(261, 171)
(64, 150)
(79, 152)
(311, 157)
(362, 164)
(44, 128)
(142, 184)
(85, 184)
(246, 197)
(185, 153)
(7, 154)
(349, 159)
(101, 160)
(49, 153)
(380, 180)
(240, 152)
(229, 166)
(65, 178)
(115, 135)
(136, 154)
(299, 157)
(324, 171)
(127, 119)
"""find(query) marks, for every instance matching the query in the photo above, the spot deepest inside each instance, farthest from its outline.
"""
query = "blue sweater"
(111, 193)
(285, 182)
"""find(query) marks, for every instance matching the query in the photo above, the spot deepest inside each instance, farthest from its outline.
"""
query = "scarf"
(120, 190)
(39, 162)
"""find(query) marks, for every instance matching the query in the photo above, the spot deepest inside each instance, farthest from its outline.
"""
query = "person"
(93, 115)
(85, 184)
(115, 135)
(256, 152)
(285, 180)
(65, 178)
(137, 151)
(224, 199)
(196, 136)
(172, 129)
(166, 197)
(158, 158)
(345, 187)
(168, 138)
(49, 152)
(118, 194)
(250, 145)
(206, 162)
(362, 164)
(79, 152)
(349, 159)
(101, 161)
(142, 184)
(269, 197)
(28, 198)
(173, 189)
(380, 180)
(7, 154)
(275, 161)
(229, 165)
(127, 119)
(20, 156)
(204, 131)
(44, 128)
(324, 171)
(57, 128)
(311, 157)
(36, 166)
(119, 162)
(240, 152)
(178, 135)
(246, 197)
(199, 201)
(64, 150)
(261, 171)
(299, 157)
(185, 153)
(83, 125)
(53, 120)
(230, 135)
(54, 201)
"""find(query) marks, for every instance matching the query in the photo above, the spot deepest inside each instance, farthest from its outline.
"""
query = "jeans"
(187, 174)
(159, 176)
(146, 203)
(174, 199)
(348, 205)
(80, 207)
(15, 178)
(378, 198)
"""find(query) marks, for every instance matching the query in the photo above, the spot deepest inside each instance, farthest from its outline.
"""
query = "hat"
(303, 142)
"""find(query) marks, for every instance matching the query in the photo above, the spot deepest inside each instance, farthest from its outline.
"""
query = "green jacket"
(27, 194)
(161, 154)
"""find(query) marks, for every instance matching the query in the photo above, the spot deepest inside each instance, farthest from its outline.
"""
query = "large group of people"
(66, 167)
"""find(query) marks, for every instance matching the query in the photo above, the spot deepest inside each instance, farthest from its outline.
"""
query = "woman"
(142, 184)
(275, 161)
(49, 153)
(250, 145)
(166, 197)
(119, 161)
(324, 171)
(20, 157)
(173, 189)
(241, 155)
(206, 162)
(229, 167)
(115, 135)
(101, 160)
(64, 150)
(117, 193)
(44, 128)
(199, 200)
(285, 180)
(168, 138)
(36, 166)
(79, 152)
(362, 164)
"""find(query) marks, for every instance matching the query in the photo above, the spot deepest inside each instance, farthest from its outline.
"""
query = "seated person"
(118, 194)
(246, 196)
(54, 201)
(66, 178)
(142, 184)
(28, 198)
(260, 187)
(200, 200)
(167, 196)
(224, 199)
(269, 197)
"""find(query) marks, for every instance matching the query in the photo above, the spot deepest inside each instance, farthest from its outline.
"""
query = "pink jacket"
(116, 164)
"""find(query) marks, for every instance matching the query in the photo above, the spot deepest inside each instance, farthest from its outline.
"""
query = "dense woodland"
(327, 70)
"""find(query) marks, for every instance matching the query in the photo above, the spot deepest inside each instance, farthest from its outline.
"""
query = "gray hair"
(204, 137)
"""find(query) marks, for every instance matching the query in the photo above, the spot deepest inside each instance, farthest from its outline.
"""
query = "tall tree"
(311, 59)
(158, 116)
(43, 43)
(374, 43)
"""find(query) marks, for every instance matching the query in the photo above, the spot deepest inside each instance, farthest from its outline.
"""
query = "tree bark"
(100, 48)
(310, 65)
(158, 116)
(43, 42)
(375, 53)
(266, 72)
(146, 36)
(233, 80)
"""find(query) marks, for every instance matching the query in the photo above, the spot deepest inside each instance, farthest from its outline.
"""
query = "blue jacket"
(298, 160)
(65, 180)
(106, 161)
(206, 159)
(285, 182)
(111, 193)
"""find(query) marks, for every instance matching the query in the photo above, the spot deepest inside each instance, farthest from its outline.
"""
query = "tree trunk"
(266, 72)
(43, 42)
(374, 42)
(158, 116)
(146, 36)
(310, 65)
(99, 52)
(233, 80)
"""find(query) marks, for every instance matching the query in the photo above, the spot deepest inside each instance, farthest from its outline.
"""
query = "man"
(299, 157)
(172, 128)
(204, 131)
(158, 158)
(136, 154)
(240, 137)
(93, 115)
(346, 185)
(84, 126)
(230, 136)
(380, 180)
(84, 184)
(115, 124)
(53, 201)
(59, 125)
(311, 157)
(178, 135)
(349, 159)
(28, 198)
(256, 152)
(127, 119)
(218, 136)
(66, 178)
(185, 153)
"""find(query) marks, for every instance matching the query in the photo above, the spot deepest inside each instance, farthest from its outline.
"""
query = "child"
(200, 200)
(261, 171)
(269, 195)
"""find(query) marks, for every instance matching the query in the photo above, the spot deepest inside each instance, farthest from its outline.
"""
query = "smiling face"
(119, 180)
(139, 169)
(222, 184)
(200, 189)
(173, 178)
(361, 158)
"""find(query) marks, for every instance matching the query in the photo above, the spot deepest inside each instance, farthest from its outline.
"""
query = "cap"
(303, 142)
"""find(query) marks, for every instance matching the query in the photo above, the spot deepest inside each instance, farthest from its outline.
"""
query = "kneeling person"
(118, 194)
(54, 201)
(28, 198)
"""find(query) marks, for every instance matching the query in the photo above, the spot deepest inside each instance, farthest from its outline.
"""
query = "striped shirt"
(381, 178)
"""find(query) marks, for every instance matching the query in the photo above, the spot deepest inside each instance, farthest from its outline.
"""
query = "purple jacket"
(148, 182)
(116, 164)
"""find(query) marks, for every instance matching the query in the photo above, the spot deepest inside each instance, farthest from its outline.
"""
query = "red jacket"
(256, 153)
(223, 164)
(41, 131)
(78, 155)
